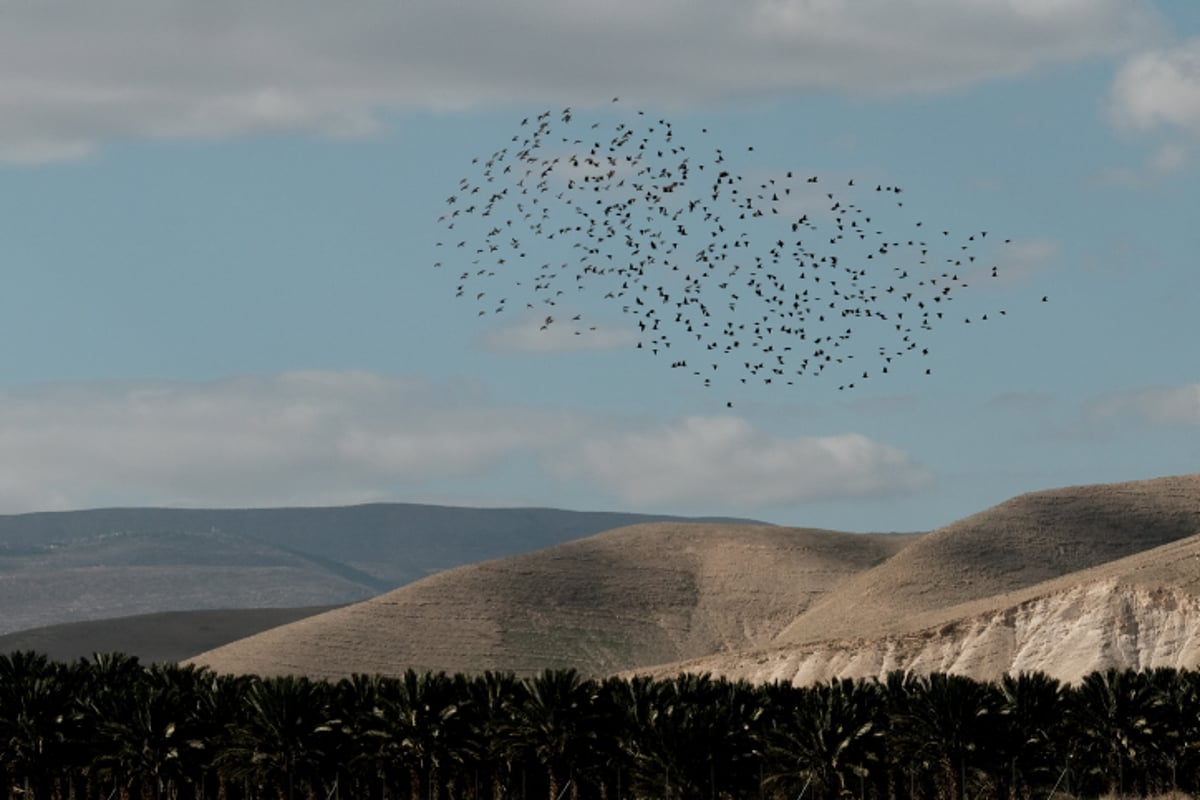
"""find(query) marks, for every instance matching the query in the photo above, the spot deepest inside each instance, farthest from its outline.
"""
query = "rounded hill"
(1022, 542)
(630, 597)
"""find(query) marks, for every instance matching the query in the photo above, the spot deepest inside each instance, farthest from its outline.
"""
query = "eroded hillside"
(1064, 581)
(634, 596)
(1022, 542)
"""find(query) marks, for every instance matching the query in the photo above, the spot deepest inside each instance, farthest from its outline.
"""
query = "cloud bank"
(305, 438)
(1168, 406)
(302, 437)
(78, 75)
(725, 461)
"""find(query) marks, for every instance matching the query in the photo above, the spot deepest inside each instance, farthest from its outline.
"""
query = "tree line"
(108, 727)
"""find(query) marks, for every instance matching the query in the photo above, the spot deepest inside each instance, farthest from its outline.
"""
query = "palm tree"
(491, 697)
(693, 736)
(220, 705)
(949, 728)
(552, 723)
(631, 707)
(1114, 715)
(281, 739)
(419, 724)
(35, 716)
(1185, 697)
(1175, 724)
(360, 759)
(828, 739)
(735, 719)
(1033, 710)
(149, 733)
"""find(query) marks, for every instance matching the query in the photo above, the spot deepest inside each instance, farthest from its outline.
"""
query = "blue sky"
(219, 226)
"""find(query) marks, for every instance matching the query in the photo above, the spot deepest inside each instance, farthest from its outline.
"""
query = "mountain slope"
(1139, 612)
(1021, 542)
(638, 595)
(1066, 581)
(165, 637)
(77, 565)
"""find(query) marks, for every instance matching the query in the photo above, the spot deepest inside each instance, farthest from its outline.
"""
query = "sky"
(219, 230)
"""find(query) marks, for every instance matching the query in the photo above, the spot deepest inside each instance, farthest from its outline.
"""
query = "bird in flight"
(772, 279)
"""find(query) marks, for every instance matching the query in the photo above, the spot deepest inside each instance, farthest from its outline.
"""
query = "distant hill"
(1065, 581)
(165, 637)
(633, 596)
(71, 566)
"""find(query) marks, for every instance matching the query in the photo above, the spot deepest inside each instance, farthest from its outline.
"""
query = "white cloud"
(1158, 92)
(1159, 89)
(532, 334)
(302, 437)
(1165, 406)
(306, 438)
(724, 461)
(81, 74)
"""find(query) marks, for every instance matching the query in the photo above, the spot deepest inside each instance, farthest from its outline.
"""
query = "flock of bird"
(774, 278)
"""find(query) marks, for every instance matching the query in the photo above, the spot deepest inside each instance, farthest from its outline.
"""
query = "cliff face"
(1012, 547)
(1066, 634)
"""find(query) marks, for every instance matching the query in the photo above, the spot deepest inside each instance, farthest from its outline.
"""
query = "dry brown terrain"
(1021, 542)
(633, 596)
(1138, 612)
(1065, 581)
(992, 614)
(69, 566)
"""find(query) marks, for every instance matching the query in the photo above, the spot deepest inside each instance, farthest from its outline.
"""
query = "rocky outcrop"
(1066, 634)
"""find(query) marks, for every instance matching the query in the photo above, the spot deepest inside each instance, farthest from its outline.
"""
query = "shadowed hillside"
(633, 596)
(79, 565)
(166, 637)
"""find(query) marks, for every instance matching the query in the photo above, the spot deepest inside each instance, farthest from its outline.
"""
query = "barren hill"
(1139, 612)
(1065, 581)
(1021, 542)
(67, 566)
(633, 596)
(124, 574)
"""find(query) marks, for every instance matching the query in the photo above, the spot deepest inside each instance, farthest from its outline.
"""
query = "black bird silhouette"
(663, 227)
